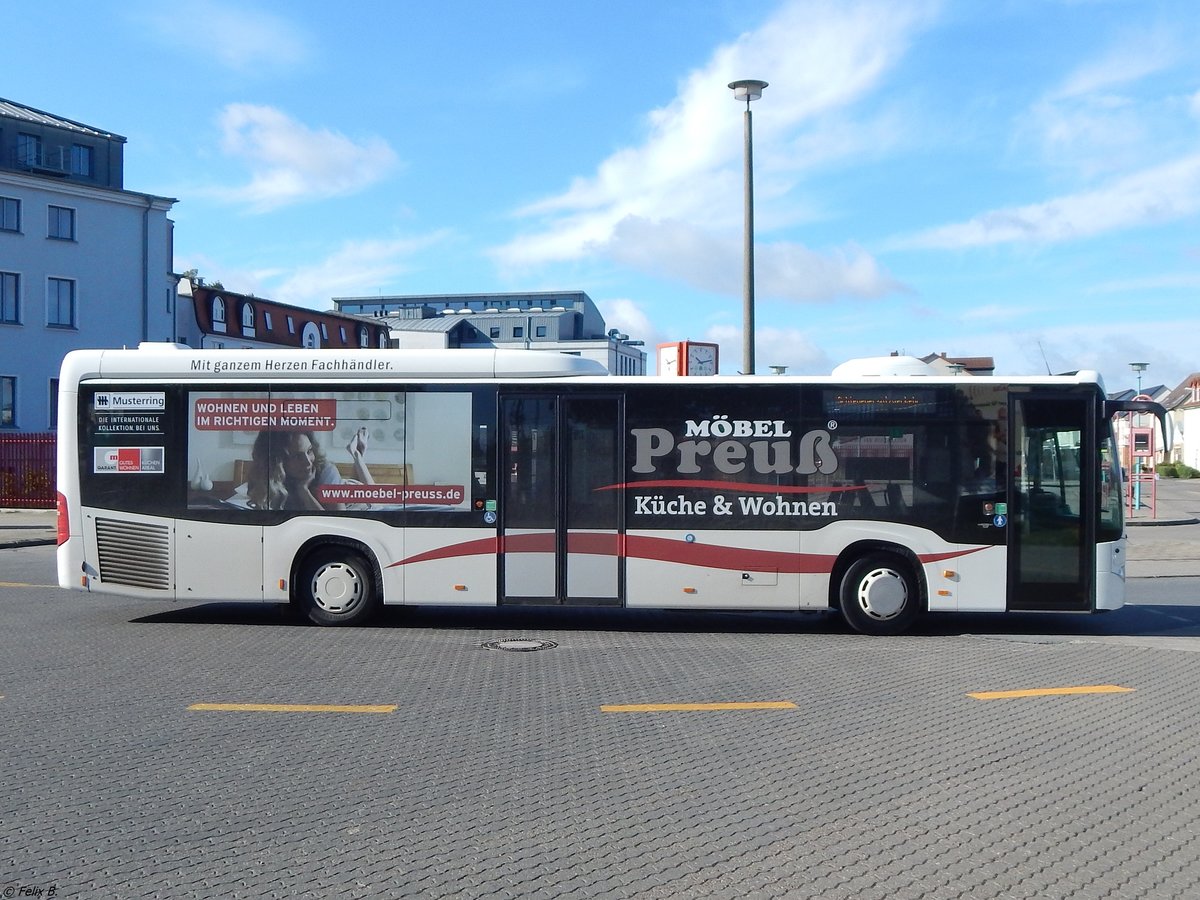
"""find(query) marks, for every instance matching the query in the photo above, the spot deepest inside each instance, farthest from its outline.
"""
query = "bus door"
(1052, 514)
(560, 528)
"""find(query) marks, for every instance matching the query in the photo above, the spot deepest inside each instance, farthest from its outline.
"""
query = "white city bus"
(339, 481)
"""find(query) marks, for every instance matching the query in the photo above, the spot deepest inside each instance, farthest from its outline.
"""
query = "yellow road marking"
(688, 707)
(1051, 692)
(288, 707)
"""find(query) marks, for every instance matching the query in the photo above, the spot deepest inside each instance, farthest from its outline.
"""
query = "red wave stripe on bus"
(541, 542)
(730, 486)
(708, 556)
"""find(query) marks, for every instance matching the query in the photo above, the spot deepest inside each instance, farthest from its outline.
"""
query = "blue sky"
(1014, 178)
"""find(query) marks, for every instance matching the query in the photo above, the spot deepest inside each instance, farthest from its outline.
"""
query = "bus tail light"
(63, 520)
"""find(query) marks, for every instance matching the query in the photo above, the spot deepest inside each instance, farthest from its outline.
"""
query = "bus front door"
(1052, 517)
(560, 515)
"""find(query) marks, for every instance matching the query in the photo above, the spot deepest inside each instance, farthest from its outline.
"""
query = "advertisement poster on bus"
(328, 451)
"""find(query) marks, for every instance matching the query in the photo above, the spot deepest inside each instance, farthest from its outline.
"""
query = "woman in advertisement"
(288, 467)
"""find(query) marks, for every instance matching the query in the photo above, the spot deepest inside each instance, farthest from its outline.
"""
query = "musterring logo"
(731, 446)
(153, 400)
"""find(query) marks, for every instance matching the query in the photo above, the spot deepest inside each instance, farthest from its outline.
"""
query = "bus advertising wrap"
(745, 467)
(325, 451)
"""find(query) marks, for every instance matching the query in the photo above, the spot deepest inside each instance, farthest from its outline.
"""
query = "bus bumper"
(1110, 575)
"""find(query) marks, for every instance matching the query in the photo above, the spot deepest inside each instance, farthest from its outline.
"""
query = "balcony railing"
(49, 160)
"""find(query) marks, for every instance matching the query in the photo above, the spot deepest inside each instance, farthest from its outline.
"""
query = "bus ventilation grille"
(134, 554)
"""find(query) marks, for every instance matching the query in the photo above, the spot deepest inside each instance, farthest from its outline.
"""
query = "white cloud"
(233, 277)
(236, 38)
(820, 58)
(1089, 135)
(793, 272)
(1098, 119)
(1161, 194)
(356, 268)
(790, 347)
(1183, 281)
(998, 312)
(1133, 57)
(628, 317)
(714, 262)
(292, 163)
(1102, 346)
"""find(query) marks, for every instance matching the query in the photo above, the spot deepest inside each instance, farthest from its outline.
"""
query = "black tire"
(336, 586)
(879, 595)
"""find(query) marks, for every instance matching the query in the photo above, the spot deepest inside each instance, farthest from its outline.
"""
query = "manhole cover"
(519, 645)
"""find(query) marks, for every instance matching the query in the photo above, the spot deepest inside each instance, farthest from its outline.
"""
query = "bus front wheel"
(337, 587)
(879, 595)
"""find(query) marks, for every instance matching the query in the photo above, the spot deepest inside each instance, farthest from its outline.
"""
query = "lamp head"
(747, 89)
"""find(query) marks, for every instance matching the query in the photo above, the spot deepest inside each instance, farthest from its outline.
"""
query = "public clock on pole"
(701, 359)
(669, 357)
(688, 358)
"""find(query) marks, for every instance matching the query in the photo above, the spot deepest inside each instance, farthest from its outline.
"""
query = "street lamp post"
(1139, 367)
(748, 89)
(1134, 421)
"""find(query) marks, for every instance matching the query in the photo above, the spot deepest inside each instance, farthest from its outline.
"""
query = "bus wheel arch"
(336, 581)
(878, 587)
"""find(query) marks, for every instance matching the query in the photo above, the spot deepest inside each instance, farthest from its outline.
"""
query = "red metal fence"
(27, 470)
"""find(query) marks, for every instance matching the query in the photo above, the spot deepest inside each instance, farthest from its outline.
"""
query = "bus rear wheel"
(336, 586)
(879, 596)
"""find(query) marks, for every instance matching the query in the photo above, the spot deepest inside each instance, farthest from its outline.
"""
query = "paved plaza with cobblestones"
(223, 751)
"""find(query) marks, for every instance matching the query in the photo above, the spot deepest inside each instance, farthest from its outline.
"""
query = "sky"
(1017, 179)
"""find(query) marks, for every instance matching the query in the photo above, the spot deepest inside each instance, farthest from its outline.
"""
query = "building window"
(10, 298)
(81, 160)
(62, 223)
(29, 150)
(10, 214)
(53, 417)
(383, 341)
(218, 314)
(494, 331)
(541, 331)
(519, 331)
(342, 334)
(8, 401)
(247, 320)
(60, 302)
(364, 338)
(325, 332)
(291, 323)
(267, 321)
